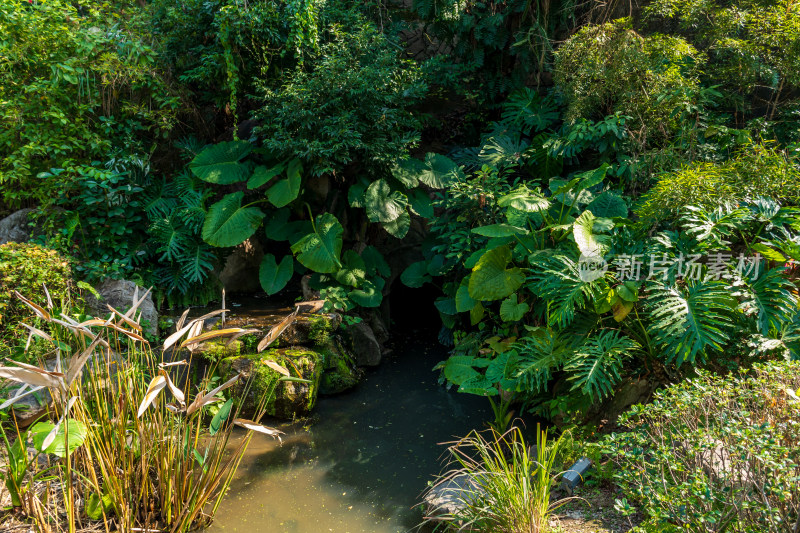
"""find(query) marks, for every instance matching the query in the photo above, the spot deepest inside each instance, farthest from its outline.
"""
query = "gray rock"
(31, 407)
(365, 347)
(240, 273)
(15, 227)
(118, 293)
(445, 499)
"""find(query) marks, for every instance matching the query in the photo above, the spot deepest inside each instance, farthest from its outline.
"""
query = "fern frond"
(556, 279)
(525, 110)
(541, 353)
(198, 262)
(595, 368)
(170, 237)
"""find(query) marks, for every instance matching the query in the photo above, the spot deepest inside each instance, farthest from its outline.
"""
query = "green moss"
(285, 399)
(218, 350)
(339, 370)
(320, 331)
(26, 268)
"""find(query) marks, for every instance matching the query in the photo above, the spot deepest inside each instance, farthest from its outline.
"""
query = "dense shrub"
(716, 454)
(26, 268)
(753, 46)
(609, 68)
(76, 84)
(350, 105)
(758, 170)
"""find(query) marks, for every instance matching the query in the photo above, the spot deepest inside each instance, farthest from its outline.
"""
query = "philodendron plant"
(268, 196)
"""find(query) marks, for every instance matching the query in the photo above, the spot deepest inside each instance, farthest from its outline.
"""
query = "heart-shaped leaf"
(228, 223)
(383, 204)
(273, 275)
(320, 251)
(399, 227)
(261, 175)
(511, 311)
(491, 280)
(285, 191)
(221, 164)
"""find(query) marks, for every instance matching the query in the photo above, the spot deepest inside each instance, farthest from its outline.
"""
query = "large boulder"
(16, 227)
(262, 385)
(365, 347)
(240, 273)
(340, 372)
(119, 293)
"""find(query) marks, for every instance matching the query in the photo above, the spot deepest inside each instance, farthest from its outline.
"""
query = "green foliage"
(366, 120)
(90, 80)
(321, 250)
(609, 68)
(758, 171)
(715, 453)
(503, 485)
(752, 45)
(274, 276)
(228, 223)
(221, 163)
(69, 436)
(29, 268)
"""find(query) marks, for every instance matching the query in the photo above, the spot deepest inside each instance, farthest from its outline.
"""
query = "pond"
(363, 460)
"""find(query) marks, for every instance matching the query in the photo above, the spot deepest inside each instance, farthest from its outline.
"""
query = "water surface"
(360, 464)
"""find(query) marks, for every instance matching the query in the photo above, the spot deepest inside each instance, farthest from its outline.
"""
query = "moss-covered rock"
(284, 399)
(340, 372)
(311, 329)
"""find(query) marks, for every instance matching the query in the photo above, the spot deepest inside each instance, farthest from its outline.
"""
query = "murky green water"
(361, 464)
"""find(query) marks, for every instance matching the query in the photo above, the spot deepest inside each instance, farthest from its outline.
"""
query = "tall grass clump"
(501, 484)
(134, 446)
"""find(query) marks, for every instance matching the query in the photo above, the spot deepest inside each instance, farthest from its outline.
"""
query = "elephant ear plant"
(132, 448)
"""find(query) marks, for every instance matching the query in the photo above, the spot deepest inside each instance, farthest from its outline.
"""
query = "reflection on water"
(362, 462)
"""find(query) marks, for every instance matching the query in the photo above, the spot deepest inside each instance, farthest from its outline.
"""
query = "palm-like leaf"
(770, 299)
(712, 228)
(595, 367)
(686, 322)
(558, 280)
(541, 353)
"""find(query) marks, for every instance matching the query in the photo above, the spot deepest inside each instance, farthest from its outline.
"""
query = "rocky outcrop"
(30, 407)
(311, 329)
(263, 388)
(16, 227)
(340, 372)
(240, 273)
(364, 345)
(119, 293)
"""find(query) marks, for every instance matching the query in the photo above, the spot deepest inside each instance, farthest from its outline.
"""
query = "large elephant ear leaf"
(584, 238)
(491, 280)
(273, 275)
(383, 204)
(320, 250)
(221, 163)
(421, 203)
(228, 223)
(407, 171)
(439, 171)
(399, 227)
(286, 190)
(369, 295)
(608, 205)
